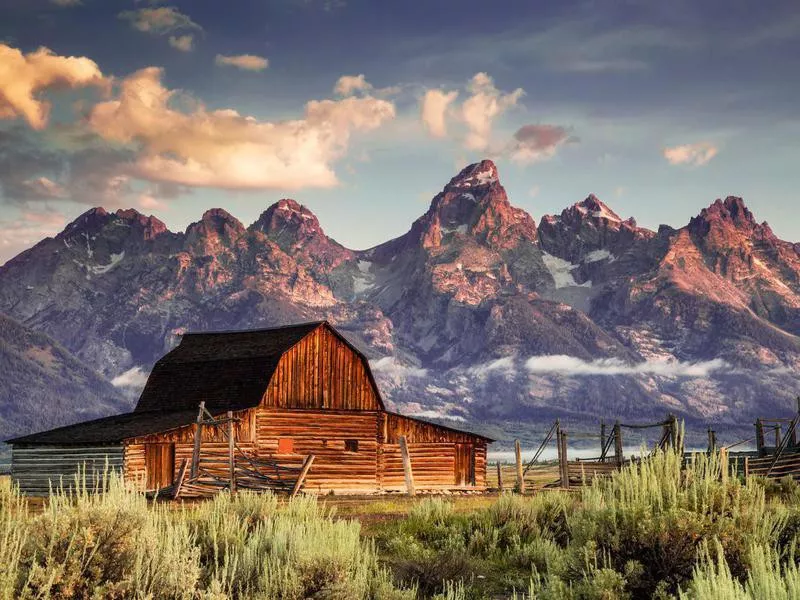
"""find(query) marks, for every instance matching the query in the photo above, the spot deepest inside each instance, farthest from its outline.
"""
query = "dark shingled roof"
(112, 430)
(228, 370)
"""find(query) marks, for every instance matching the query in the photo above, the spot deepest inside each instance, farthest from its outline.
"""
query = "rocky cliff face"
(475, 313)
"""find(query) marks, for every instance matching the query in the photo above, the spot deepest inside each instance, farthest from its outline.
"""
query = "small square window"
(351, 445)
(285, 446)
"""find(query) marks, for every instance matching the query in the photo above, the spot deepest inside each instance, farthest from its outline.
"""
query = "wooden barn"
(264, 409)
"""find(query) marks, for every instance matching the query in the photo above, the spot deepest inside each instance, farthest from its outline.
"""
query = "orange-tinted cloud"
(24, 77)
(224, 149)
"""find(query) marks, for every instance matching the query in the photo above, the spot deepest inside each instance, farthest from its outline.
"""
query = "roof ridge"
(261, 330)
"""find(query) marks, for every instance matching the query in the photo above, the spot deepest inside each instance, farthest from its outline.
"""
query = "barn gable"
(323, 371)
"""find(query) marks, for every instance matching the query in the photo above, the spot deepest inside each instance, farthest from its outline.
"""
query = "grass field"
(651, 531)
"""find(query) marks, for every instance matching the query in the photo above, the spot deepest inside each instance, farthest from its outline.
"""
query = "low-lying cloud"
(560, 364)
(132, 378)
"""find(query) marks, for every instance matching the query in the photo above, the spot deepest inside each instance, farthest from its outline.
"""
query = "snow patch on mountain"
(561, 271)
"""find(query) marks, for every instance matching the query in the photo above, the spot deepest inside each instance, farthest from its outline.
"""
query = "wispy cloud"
(246, 62)
(390, 366)
(559, 364)
(66, 3)
(696, 155)
(184, 43)
(433, 111)
(159, 21)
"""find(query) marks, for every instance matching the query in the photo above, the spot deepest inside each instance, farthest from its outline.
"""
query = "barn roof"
(112, 430)
(229, 370)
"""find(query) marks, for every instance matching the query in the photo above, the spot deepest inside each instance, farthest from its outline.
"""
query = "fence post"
(499, 476)
(231, 456)
(198, 432)
(760, 437)
(746, 468)
(723, 464)
(520, 475)
(409, 475)
(618, 443)
(602, 440)
(777, 436)
(565, 459)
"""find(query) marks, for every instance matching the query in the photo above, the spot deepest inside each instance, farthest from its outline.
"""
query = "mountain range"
(477, 315)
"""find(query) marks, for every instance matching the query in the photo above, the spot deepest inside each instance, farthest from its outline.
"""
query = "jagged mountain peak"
(216, 224)
(288, 214)
(727, 219)
(478, 174)
(594, 207)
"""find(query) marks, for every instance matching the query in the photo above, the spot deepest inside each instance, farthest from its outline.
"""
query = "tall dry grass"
(117, 545)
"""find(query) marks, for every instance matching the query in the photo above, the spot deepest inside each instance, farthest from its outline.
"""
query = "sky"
(363, 110)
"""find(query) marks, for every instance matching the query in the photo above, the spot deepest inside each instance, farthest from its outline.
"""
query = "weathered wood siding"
(321, 371)
(324, 433)
(432, 450)
(214, 449)
(35, 469)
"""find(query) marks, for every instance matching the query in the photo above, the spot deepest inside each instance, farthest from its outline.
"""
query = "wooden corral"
(267, 401)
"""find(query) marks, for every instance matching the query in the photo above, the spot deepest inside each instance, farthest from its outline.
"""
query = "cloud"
(391, 367)
(148, 201)
(223, 149)
(695, 155)
(44, 188)
(133, 378)
(28, 228)
(534, 191)
(482, 107)
(184, 43)
(504, 366)
(347, 85)
(559, 364)
(533, 143)
(159, 21)
(66, 3)
(23, 77)
(433, 110)
(246, 62)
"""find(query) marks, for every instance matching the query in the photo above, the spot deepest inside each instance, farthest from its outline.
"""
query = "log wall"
(324, 433)
(321, 371)
(214, 449)
(35, 469)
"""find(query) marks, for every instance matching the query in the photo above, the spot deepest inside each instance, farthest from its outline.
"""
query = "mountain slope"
(475, 313)
(44, 386)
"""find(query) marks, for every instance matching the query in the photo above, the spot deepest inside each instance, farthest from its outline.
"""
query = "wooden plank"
(197, 439)
(499, 477)
(302, 477)
(518, 459)
(231, 452)
(408, 473)
(179, 481)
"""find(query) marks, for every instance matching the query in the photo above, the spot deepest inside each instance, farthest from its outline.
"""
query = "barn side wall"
(321, 372)
(432, 450)
(35, 469)
(214, 448)
(325, 434)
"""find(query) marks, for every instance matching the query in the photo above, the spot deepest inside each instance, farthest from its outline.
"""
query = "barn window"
(285, 446)
(351, 445)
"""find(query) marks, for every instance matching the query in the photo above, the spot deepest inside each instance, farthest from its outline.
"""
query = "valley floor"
(654, 530)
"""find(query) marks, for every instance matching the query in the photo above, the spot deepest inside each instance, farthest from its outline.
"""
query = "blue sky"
(658, 108)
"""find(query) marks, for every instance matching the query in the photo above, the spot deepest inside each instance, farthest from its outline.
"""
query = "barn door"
(159, 460)
(465, 464)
